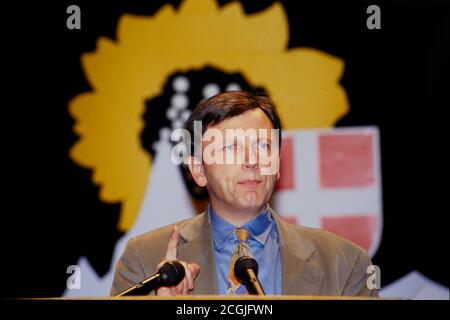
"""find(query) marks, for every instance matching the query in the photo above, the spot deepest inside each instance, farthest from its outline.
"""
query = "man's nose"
(251, 158)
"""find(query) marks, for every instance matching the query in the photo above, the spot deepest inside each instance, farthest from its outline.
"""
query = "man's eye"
(229, 147)
(264, 145)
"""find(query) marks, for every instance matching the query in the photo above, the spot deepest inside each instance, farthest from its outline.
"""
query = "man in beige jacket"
(293, 260)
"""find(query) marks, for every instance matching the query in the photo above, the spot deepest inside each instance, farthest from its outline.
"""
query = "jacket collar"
(196, 246)
(299, 275)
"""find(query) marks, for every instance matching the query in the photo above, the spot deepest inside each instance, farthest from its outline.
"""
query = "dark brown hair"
(230, 104)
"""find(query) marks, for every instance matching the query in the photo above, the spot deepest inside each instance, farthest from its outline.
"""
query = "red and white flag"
(331, 179)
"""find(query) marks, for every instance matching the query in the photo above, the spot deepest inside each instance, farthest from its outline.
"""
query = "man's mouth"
(249, 182)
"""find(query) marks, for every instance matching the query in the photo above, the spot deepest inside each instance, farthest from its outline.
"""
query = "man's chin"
(252, 205)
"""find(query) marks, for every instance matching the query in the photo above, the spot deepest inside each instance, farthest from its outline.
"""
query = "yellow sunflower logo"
(126, 73)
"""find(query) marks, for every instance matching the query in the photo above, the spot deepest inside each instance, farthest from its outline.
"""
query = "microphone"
(246, 270)
(169, 274)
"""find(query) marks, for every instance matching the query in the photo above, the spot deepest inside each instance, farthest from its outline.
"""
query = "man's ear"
(197, 171)
(279, 163)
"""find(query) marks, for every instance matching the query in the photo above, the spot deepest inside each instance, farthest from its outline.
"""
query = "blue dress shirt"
(264, 244)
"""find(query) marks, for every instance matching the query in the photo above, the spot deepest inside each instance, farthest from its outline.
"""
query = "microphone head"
(241, 266)
(171, 272)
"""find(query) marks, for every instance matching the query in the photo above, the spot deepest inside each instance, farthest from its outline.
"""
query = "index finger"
(171, 252)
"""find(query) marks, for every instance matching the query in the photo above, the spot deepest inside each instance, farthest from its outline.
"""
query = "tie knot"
(242, 234)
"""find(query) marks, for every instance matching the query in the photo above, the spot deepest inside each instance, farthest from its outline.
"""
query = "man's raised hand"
(192, 269)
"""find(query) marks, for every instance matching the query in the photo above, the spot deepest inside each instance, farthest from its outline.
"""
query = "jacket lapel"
(299, 276)
(196, 246)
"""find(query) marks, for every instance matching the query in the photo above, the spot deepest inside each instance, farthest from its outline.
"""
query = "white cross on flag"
(331, 179)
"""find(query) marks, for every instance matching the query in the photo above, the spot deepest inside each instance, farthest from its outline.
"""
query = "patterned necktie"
(242, 249)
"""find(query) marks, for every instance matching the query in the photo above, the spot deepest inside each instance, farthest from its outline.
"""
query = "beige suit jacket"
(314, 262)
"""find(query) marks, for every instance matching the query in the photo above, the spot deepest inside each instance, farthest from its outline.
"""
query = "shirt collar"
(259, 227)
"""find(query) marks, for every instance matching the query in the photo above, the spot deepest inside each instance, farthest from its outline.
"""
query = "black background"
(396, 78)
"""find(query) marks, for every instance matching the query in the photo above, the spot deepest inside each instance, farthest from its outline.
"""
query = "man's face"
(241, 185)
